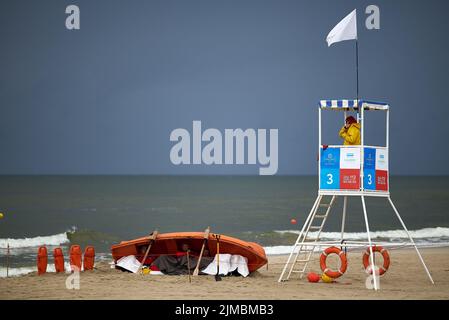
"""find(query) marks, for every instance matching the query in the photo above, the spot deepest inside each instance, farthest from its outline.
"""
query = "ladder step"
(325, 205)
(321, 216)
(303, 260)
(315, 227)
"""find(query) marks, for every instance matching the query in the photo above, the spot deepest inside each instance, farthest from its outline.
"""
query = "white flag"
(346, 29)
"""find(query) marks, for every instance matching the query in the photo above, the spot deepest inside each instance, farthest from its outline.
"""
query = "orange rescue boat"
(171, 243)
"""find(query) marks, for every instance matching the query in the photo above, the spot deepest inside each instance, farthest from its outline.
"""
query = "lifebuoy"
(42, 260)
(58, 257)
(385, 256)
(343, 261)
(89, 258)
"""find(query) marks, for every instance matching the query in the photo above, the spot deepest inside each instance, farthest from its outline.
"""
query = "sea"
(58, 211)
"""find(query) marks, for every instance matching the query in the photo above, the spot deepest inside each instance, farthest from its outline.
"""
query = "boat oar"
(206, 237)
(217, 276)
(188, 265)
(152, 238)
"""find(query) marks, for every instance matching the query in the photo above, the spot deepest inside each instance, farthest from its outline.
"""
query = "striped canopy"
(352, 105)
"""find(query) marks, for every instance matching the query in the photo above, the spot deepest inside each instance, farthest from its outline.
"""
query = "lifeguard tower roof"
(352, 105)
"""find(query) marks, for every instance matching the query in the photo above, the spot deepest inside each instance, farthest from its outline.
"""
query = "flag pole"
(357, 66)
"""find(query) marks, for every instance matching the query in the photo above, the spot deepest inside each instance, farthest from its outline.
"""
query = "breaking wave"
(431, 234)
(53, 240)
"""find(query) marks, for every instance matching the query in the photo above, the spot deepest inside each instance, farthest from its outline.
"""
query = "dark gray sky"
(104, 99)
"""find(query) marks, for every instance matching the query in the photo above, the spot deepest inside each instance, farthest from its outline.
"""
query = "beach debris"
(58, 258)
(206, 236)
(42, 260)
(75, 257)
(313, 277)
(89, 258)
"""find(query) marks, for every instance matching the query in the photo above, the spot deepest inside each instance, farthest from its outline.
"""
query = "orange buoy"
(58, 257)
(89, 258)
(75, 257)
(343, 261)
(385, 256)
(42, 260)
(293, 221)
(313, 277)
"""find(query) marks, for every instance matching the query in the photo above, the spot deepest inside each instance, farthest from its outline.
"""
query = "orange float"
(75, 257)
(385, 256)
(89, 258)
(343, 260)
(42, 260)
(58, 258)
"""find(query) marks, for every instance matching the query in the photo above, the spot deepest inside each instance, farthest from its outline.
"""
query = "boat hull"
(171, 244)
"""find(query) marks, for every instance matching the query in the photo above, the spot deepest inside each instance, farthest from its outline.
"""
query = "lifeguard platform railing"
(346, 171)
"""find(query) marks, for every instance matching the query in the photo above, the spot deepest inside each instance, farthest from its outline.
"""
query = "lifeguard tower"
(346, 171)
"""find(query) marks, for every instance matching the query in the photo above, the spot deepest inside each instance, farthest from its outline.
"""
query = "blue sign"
(330, 158)
(369, 159)
(330, 179)
(369, 179)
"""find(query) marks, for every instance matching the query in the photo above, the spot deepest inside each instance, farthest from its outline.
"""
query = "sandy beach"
(404, 280)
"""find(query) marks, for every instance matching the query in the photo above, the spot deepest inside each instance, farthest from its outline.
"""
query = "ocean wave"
(20, 271)
(53, 240)
(437, 233)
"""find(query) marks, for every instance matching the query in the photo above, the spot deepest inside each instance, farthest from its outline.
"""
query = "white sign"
(381, 159)
(350, 158)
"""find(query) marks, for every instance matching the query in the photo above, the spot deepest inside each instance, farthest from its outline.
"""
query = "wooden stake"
(217, 276)
(206, 237)
(152, 238)
(188, 265)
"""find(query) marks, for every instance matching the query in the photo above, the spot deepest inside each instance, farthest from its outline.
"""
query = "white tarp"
(129, 263)
(228, 263)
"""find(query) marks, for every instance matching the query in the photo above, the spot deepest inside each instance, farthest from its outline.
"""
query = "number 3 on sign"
(330, 178)
(370, 179)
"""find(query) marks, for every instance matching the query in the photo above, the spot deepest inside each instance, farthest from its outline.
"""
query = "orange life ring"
(385, 256)
(343, 260)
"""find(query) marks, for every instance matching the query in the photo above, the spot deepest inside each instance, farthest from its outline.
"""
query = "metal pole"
(411, 240)
(7, 260)
(387, 145)
(319, 148)
(370, 244)
(343, 220)
(357, 65)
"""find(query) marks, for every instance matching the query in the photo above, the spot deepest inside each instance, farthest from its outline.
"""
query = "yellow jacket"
(351, 135)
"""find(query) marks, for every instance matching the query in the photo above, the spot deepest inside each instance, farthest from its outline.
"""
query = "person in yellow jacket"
(350, 132)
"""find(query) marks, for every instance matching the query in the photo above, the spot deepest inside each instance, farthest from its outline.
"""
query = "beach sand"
(406, 279)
